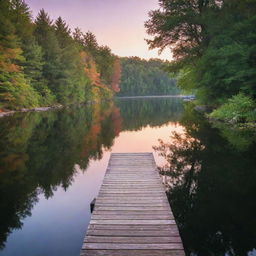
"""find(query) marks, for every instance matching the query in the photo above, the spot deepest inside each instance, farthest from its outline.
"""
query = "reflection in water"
(138, 113)
(211, 179)
(40, 152)
(211, 170)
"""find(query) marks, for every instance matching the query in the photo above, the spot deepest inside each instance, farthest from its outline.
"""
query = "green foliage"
(141, 77)
(240, 138)
(105, 61)
(239, 108)
(186, 79)
(213, 43)
(16, 93)
(41, 63)
(15, 90)
(45, 36)
(100, 56)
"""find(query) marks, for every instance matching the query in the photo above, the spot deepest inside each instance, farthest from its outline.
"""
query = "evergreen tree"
(105, 61)
(42, 64)
(63, 33)
(90, 43)
(141, 77)
(72, 78)
(46, 38)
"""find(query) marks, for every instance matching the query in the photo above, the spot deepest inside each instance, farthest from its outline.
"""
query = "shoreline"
(24, 110)
(59, 106)
(42, 109)
(155, 96)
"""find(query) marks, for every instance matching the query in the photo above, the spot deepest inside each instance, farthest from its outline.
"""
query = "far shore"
(155, 96)
(38, 109)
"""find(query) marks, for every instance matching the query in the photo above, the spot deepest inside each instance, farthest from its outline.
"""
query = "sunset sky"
(116, 23)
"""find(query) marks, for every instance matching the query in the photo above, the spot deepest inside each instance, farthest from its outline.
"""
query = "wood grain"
(132, 215)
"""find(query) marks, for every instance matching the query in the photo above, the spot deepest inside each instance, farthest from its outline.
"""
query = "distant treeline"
(142, 77)
(43, 63)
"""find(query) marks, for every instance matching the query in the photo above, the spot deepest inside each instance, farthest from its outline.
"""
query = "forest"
(214, 50)
(142, 77)
(44, 63)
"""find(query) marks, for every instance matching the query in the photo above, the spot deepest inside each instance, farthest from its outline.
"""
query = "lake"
(52, 165)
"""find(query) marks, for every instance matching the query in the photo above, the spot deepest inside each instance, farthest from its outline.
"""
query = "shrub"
(239, 108)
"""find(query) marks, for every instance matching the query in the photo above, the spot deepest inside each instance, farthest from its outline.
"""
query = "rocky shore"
(11, 112)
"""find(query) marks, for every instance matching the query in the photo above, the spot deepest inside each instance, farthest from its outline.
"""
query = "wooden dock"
(132, 216)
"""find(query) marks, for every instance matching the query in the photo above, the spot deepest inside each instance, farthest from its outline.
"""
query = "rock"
(24, 110)
(42, 109)
(201, 108)
(7, 113)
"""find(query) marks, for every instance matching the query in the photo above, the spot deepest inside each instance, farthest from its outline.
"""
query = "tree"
(41, 63)
(63, 33)
(141, 77)
(90, 43)
(21, 18)
(105, 63)
(99, 62)
(213, 44)
(116, 76)
(15, 90)
(181, 25)
(78, 37)
(51, 49)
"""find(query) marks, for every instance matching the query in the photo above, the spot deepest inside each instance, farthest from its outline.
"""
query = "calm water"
(52, 165)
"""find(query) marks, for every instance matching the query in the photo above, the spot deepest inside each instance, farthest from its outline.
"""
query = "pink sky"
(116, 23)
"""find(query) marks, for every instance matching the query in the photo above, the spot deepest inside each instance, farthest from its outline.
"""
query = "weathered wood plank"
(132, 252)
(131, 233)
(164, 227)
(132, 215)
(161, 206)
(134, 222)
(151, 195)
(131, 200)
(116, 246)
(133, 240)
(152, 212)
(142, 190)
(131, 208)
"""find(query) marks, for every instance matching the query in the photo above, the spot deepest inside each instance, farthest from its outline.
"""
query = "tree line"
(42, 62)
(142, 77)
(213, 45)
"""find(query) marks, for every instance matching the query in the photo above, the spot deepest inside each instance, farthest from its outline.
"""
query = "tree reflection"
(139, 113)
(211, 188)
(39, 152)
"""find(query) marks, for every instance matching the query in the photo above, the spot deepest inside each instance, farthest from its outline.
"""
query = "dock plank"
(132, 215)
(132, 252)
